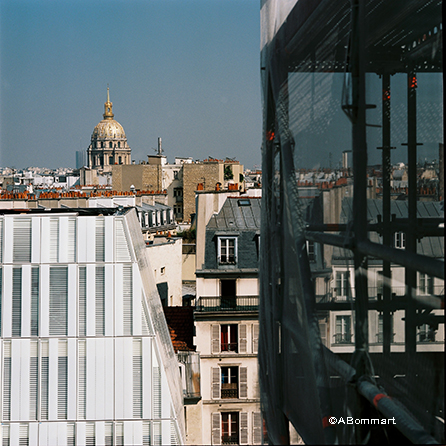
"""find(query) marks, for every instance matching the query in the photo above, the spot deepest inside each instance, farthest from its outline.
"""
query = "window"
(110, 160)
(229, 382)
(343, 284)
(110, 145)
(425, 284)
(119, 144)
(426, 333)
(380, 334)
(399, 240)
(230, 428)
(178, 191)
(343, 333)
(311, 250)
(229, 338)
(227, 250)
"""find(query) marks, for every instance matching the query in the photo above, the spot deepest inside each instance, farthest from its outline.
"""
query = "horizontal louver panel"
(58, 301)
(82, 301)
(22, 240)
(35, 285)
(71, 240)
(100, 239)
(6, 412)
(122, 253)
(54, 240)
(100, 301)
(127, 295)
(17, 302)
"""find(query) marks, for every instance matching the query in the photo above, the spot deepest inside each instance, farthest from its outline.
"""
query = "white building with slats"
(86, 356)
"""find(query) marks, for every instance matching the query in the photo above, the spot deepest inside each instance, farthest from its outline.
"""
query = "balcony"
(229, 439)
(227, 303)
(229, 390)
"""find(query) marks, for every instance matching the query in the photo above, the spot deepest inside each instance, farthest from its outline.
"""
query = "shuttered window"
(5, 435)
(122, 253)
(62, 388)
(22, 240)
(119, 433)
(58, 300)
(243, 428)
(35, 283)
(100, 301)
(216, 428)
(156, 392)
(17, 302)
(100, 239)
(137, 379)
(215, 340)
(6, 412)
(33, 380)
(82, 380)
(44, 381)
(71, 239)
(54, 240)
(242, 338)
(255, 338)
(82, 301)
(127, 296)
(90, 438)
(23, 435)
(71, 434)
(146, 433)
(257, 427)
(243, 380)
(215, 380)
(108, 434)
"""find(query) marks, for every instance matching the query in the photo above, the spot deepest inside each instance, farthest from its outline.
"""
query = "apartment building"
(226, 321)
(85, 350)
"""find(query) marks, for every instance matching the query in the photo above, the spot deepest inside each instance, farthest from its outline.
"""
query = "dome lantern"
(108, 107)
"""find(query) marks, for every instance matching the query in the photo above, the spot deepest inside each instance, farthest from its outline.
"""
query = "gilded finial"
(108, 106)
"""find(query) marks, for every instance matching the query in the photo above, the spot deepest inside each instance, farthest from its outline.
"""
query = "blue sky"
(184, 70)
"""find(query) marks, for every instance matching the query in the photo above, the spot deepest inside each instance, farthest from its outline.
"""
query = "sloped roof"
(238, 213)
(180, 321)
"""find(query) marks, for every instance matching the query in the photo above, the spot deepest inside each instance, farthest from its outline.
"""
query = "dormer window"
(227, 250)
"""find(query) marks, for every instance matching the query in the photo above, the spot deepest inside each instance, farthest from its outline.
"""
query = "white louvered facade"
(85, 354)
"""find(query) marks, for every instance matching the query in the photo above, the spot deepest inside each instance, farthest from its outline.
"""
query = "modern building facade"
(86, 356)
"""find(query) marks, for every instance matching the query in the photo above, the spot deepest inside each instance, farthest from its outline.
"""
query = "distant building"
(85, 351)
(108, 142)
(81, 159)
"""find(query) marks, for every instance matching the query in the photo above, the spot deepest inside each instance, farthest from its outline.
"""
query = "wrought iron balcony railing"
(227, 303)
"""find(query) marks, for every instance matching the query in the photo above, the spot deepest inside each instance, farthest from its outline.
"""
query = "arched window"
(102, 144)
(119, 143)
(110, 145)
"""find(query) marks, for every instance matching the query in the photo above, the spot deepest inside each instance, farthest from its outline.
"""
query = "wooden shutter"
(156, 392)
(127, 297)
(17, 302)
(6, 381)
(216, 428)
(137, 379)
(21, 252)
(82, 301)
(58, 301)
(33, 380)
(255, 338)
(82, 380)
(62, 381)
(44, 349)
(257, 427)
(100, 239)
(242, 338)
(54, 240)
(100, 301)
(122, 253)
(243, 382)
(215, 379)
(215, 340)
(35, 301)
(243, 428)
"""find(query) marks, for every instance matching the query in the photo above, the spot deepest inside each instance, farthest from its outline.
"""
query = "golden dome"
(108, 127)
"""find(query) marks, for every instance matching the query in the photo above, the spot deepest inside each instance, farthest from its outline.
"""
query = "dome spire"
(108, 107)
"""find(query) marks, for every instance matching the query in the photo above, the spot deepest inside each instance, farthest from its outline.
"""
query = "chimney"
(160, 149)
